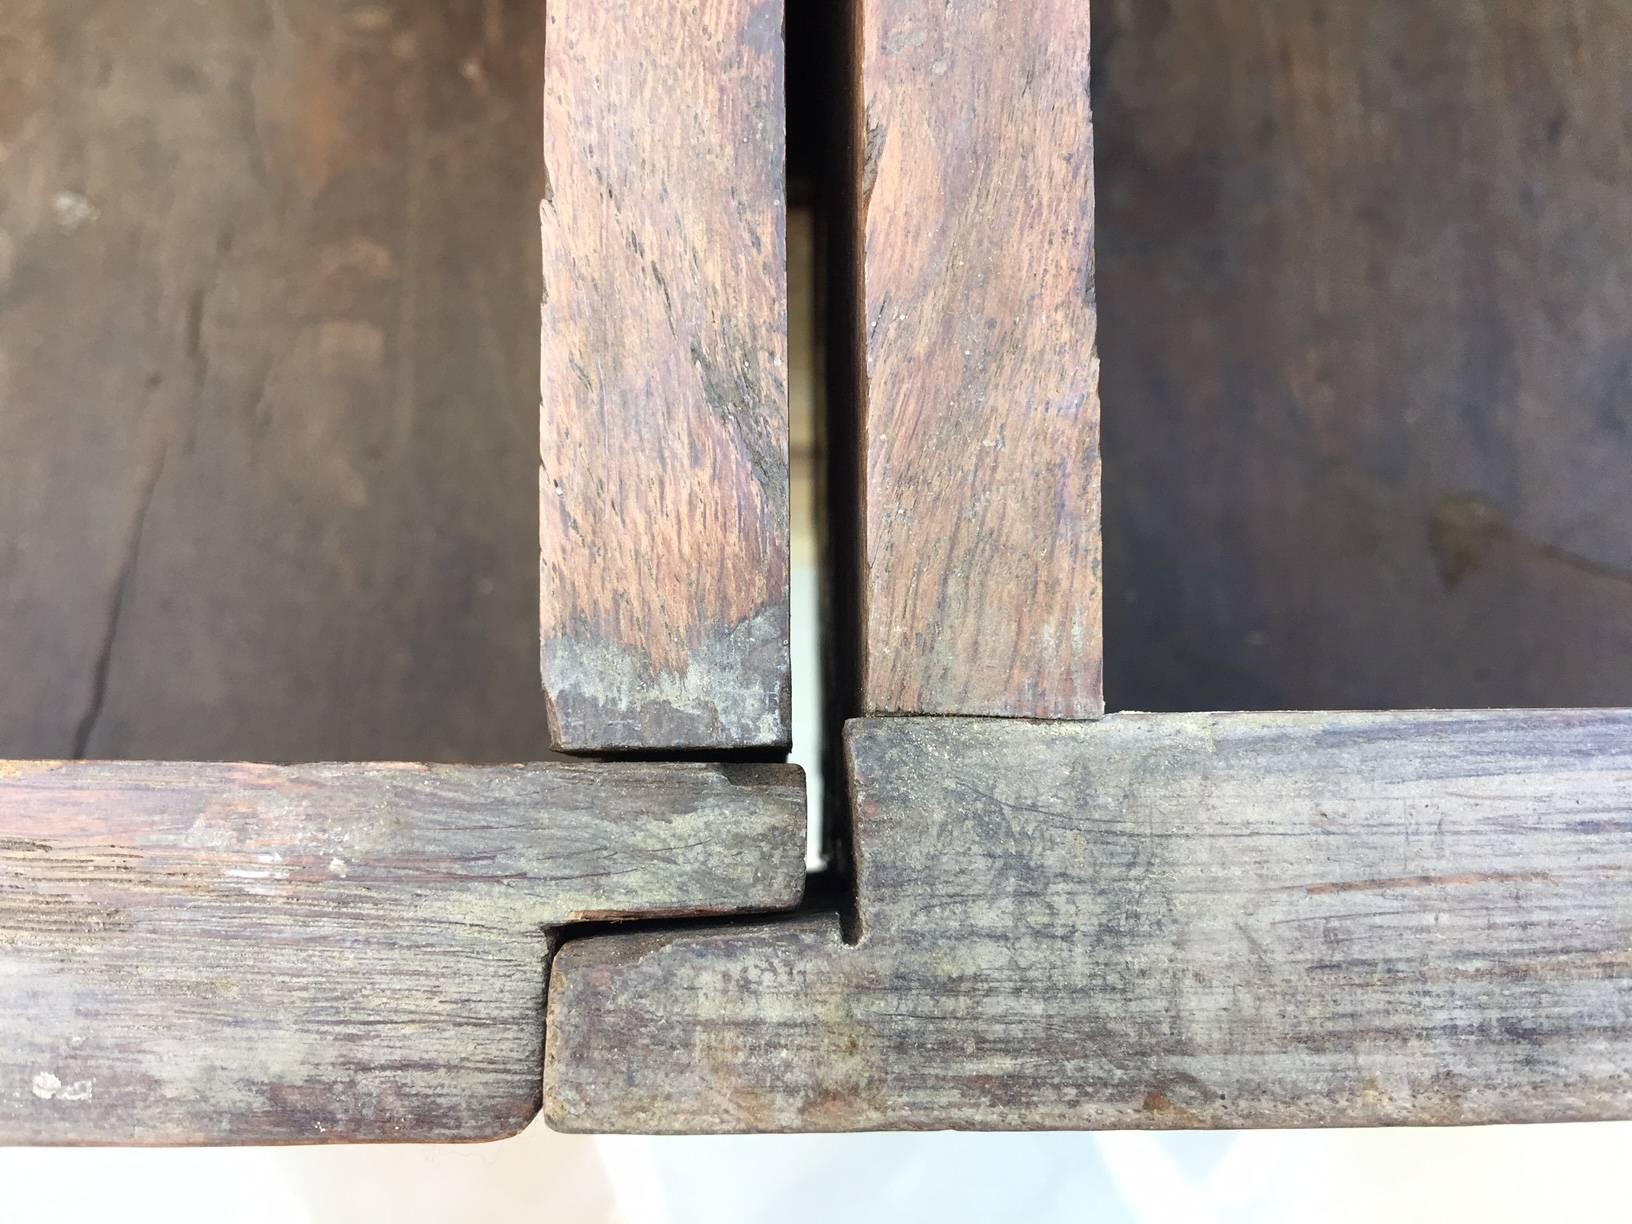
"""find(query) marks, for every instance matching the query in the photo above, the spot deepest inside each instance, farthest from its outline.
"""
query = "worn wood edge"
(601, 697)
(766, 956)
(590, 964)
(664, 567)
(903, 58)
(334, 917)
(579, 964)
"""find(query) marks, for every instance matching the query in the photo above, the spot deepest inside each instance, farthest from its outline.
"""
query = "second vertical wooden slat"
(978, 379)
(663, 501)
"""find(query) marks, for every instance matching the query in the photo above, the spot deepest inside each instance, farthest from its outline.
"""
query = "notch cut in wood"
(1211, 920)
(322, 953)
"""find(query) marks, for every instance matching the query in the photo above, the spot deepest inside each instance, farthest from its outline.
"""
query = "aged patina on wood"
(268, 354)
(977, 375)
(323, 953)
(1157, 921)
(1369, 353)
(663, 489)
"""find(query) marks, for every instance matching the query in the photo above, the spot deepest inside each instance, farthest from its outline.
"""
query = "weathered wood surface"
(268, 353)
(978, 378)
(663, 489)
(250, 954)
(1157, 921)
(1369, 355)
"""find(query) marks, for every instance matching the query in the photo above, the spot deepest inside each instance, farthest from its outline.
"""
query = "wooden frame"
(1155, 921)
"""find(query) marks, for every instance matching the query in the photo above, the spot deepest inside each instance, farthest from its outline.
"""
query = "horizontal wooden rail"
(1157, 921)
(254, 954)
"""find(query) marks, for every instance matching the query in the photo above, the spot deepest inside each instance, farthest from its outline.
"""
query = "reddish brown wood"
(978, 375)
(663, 490)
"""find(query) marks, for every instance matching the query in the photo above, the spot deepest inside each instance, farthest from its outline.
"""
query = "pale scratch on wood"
(1430, 881)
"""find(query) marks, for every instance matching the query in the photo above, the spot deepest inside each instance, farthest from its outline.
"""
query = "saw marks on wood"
(254, 954)
(977, 374)
(663, 490)
(1203, 920)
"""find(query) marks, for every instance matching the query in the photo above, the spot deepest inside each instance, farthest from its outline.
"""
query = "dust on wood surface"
(978, 378)
(323, 953)
(1369, 352)
(267, 355)
(663, 488)
(1207, 920)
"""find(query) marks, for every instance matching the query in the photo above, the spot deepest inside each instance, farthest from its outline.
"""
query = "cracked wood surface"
(321, 953)
(1369, 352)
(267, 357)
(1209, 920)
(978, 379)
(663, 484)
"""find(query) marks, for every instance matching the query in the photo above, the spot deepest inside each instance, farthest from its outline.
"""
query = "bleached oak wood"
(663, 489)
(1211, 920)
(255, 954)
(976, 370)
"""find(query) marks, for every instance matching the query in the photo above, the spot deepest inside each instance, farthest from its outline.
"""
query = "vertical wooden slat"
(663, 485)
(266, 378)
(978, 375)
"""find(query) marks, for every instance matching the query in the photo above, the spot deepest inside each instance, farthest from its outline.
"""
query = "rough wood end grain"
(978, 372)
(1280, 920)
(663, 487)
(255, 954)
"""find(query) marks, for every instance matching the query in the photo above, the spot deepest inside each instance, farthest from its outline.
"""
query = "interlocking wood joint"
(325, 953)
(1062, 919)
(1187, 920)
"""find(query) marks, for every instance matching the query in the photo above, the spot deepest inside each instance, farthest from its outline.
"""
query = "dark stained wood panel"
(268, 350)
(978, 374)
(1207, 920)
(663, 490)
(252, 954)
(1369, 357)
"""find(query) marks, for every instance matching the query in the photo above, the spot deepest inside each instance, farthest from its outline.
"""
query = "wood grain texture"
(1369, 355)
(979, 378)
(663, 488)
(267, 369)
(1157, 921)
(250, 954)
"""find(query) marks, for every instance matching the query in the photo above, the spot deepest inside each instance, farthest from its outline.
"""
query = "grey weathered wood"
(254, 954)
(1210, 920)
